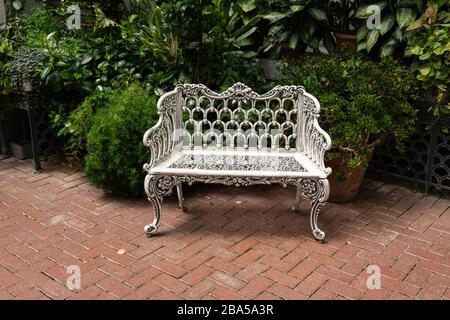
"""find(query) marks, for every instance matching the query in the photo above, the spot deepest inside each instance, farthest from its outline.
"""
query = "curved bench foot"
(153, 227)
(156, 188)
(317, 191)
(150, 229)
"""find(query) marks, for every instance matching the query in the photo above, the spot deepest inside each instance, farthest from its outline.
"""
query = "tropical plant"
(116, 152)
(216, 29)
(362, 103)
(105, 58)
(296, 21)
(386, 34)
(341, 14)
(429, 42)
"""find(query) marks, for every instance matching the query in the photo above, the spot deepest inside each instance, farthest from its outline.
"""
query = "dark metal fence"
(426, 158)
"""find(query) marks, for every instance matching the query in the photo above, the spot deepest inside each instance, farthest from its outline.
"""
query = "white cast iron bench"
(237, 137)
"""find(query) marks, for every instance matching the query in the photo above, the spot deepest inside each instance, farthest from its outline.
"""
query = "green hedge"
(115, 149)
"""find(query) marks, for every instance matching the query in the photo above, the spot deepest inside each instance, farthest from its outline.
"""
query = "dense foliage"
(362, 103)
(122, 59)
(429, 43)
(116, 153)
(77, 125)
(387, 34)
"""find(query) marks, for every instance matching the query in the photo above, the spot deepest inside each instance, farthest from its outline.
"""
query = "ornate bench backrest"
(239, 117)
(192, 116)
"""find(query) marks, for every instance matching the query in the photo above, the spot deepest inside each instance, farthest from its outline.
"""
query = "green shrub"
(115, 150)
(39, 24)
(429, 44)
(75, 128)
(362, 103)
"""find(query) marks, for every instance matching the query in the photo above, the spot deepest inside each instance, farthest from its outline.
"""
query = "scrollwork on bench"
(284, 108)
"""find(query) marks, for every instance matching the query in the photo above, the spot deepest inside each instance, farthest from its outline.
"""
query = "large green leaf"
(275, 16)
(249, 25)
(247, 5)
(361, 46)
(387, 24)
(398, 34)
(318, 14)
(424, 70)
(297, 7)
(386, 50)
(405, 16)
(293, 40)
(246, 34)
(363, 12)
(372, 39)
(362, 33)
(45, 72)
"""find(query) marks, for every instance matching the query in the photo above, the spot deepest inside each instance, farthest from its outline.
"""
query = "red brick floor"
(231, 243)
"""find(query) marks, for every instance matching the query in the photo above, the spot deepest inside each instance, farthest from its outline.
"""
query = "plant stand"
(3, 142)
(41, 136)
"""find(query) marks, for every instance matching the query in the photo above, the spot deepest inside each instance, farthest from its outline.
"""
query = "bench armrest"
(314, 139)
(160, 139)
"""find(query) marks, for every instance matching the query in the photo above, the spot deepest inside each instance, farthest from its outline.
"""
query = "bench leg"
(180, 196)
(153, 227)
(317, 191)
(156, 188)
(297, 200)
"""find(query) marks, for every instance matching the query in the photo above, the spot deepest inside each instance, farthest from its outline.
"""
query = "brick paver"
(231, 243)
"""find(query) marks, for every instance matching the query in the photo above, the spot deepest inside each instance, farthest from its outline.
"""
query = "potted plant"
(344, 22)
(25, 77)
(362, 105)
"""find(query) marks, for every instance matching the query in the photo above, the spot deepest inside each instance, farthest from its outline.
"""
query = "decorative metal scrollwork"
(281, 120)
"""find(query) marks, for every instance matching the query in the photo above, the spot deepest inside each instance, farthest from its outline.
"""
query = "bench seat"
(238, 163)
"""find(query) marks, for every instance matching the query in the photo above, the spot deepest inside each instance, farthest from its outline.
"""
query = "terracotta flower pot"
(345, 43)
(344, 190)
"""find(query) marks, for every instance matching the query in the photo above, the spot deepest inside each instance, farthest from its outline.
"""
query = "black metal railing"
(426, 158)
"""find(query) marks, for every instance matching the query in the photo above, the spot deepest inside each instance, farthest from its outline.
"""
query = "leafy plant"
(342, 17)
(362, 103)
(103, 59)
(389, 35)
(429, 42)
(216, 28)
(6, 56)
(296, 21)
(116, 152)
(39, 24)
(75, 128)
(25, 67)
(11, 39)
